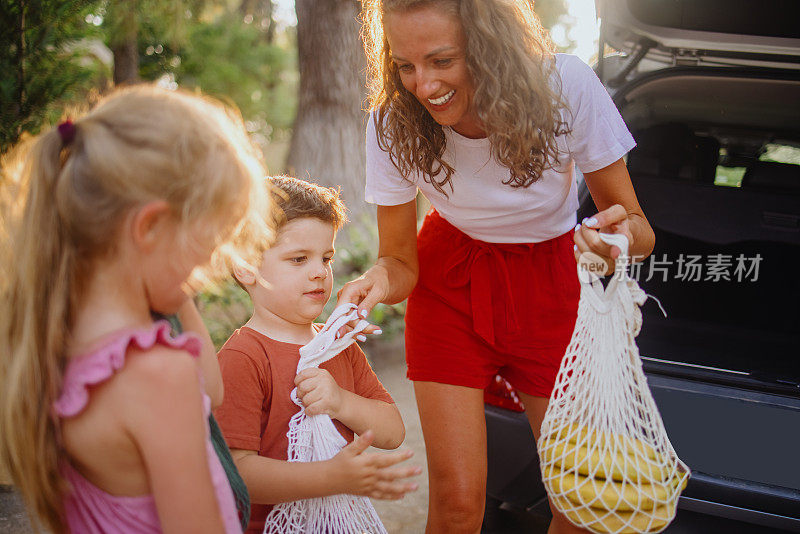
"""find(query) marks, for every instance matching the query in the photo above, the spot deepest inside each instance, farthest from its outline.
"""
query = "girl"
(103, 417)
(472, 107)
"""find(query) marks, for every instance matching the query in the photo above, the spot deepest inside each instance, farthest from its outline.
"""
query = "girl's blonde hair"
(63, 199)
(510, 59)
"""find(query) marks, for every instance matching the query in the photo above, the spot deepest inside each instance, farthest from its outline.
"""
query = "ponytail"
(39, 270)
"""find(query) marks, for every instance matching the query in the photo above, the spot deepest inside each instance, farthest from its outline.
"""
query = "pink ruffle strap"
(96, 367)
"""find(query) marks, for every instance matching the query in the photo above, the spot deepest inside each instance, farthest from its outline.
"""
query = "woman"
(471, 107)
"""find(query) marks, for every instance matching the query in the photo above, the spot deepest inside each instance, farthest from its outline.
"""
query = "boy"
(259, 364)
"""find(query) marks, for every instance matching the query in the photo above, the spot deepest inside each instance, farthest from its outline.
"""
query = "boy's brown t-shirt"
(258, 373)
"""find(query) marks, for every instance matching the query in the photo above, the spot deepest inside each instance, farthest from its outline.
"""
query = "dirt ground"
(406, 516)
(12, 514)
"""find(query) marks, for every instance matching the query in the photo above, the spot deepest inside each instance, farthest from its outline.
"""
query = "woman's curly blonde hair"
(510, 59)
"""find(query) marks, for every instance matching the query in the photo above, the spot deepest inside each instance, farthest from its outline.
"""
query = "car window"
(732, 175)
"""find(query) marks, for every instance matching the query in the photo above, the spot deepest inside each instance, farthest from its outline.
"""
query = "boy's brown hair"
(297, 198)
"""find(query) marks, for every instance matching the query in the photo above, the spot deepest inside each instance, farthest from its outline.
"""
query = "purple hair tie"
(67, 131)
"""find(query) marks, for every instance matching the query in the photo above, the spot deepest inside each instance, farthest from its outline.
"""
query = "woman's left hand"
(613, 220)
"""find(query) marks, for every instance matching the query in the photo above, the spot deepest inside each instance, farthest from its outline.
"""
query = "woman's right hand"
(366, 291)
(371, 474)
(394, 275)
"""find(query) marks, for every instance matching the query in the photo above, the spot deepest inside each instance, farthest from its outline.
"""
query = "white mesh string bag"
(315, 438)
(606, 460)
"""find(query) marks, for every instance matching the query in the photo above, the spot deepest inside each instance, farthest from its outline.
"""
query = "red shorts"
(481, 309)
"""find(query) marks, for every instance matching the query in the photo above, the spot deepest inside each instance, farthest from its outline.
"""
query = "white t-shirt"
(480, 205)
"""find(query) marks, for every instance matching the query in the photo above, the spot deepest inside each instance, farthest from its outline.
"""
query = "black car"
(710, 90)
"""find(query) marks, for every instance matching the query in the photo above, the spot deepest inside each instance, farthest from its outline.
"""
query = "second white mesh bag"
(606, 460)
(315, 438)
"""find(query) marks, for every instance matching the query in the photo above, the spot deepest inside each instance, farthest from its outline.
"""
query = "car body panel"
(747, 439)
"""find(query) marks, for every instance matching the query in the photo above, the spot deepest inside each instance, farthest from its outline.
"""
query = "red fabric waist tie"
(473, 262)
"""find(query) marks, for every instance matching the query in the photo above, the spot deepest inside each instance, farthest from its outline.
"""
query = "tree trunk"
(125, 45)
(328, 140)
(126, 62)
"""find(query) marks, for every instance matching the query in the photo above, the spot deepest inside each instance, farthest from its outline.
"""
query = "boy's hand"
(319, 392)
(355, 472)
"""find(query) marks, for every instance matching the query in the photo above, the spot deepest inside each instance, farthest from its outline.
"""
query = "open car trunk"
(727, 219)
(704, 32)
(717, 172)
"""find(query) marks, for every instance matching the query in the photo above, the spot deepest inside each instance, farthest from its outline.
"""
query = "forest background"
(299, 83)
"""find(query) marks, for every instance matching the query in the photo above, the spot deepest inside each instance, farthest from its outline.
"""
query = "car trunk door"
(704, 32)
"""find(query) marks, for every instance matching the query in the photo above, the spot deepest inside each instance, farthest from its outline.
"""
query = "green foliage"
(161, 21)
(550, 11)
(224, 309)
(233, 60)
(47, 64)
(41, 67)
(210, 46)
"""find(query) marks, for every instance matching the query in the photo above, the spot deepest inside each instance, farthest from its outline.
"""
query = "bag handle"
(621, 263)
(596, 290)
(326, 344)
(618, 240)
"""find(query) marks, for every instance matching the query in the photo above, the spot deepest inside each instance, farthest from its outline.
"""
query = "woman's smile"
(441, 101)
(428, 49)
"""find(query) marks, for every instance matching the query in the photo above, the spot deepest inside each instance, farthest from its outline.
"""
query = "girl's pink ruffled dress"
(89, 509)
